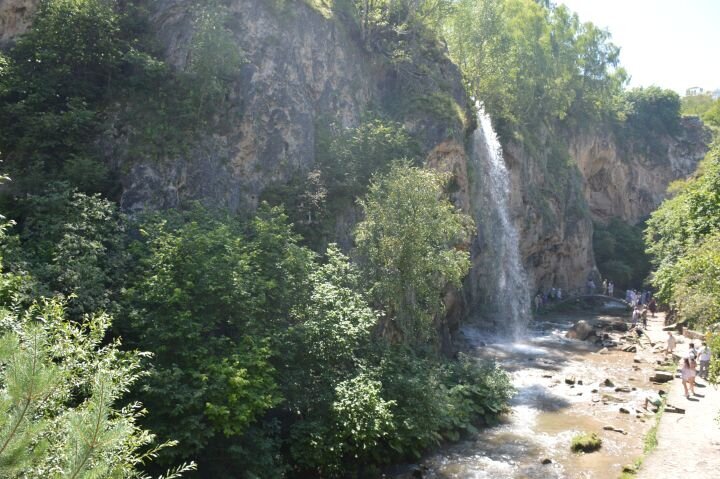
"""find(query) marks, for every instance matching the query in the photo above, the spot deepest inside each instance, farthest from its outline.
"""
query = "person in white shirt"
(671, 343)
(704, 360)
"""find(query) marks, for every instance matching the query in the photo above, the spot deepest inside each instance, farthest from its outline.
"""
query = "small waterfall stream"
(502, 277)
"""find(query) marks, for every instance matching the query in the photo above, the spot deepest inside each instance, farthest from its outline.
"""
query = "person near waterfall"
(611, 288)
(605, 287)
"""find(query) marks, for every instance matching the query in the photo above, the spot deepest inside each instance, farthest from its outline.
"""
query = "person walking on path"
(704, 360)
(652, 306)
(671, 343)
(687, 374)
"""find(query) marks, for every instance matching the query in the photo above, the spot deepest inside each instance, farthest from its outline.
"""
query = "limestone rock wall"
(15, 16)
(624, 184)
(298, 67)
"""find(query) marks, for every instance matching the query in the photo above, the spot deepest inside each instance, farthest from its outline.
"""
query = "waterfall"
(499, 275)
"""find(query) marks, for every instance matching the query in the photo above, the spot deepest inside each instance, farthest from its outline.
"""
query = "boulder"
(662, 376)
(581, 330)
(624, 411)
(546, 461)
(607, 383)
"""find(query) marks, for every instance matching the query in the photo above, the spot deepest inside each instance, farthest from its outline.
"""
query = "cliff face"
(624, 184)
(552, 218)
(15, 16)
(297, 67)
(300, 70)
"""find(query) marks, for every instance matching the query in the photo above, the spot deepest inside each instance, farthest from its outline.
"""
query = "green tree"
(408, 247)
(210, 299)
(72, 244)
(58, 75)
(532, 63)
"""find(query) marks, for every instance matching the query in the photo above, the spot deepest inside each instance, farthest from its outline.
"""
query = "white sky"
(669, 43)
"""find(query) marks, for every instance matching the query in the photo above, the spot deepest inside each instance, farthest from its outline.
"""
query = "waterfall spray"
(506, 284)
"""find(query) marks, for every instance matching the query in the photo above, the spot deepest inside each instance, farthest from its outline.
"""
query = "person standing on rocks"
(704, 359)
(635, 315)
(605, 287)
(671, 343)
(611, 288)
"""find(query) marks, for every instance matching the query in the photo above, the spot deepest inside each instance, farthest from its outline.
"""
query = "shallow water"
(547, 412)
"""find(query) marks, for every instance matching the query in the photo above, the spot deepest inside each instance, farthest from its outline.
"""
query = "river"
(547, 412)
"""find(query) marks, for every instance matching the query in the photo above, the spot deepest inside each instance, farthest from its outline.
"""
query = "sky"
(669, 43)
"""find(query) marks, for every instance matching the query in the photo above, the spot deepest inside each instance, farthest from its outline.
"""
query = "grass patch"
(650, 443)
(586, 443)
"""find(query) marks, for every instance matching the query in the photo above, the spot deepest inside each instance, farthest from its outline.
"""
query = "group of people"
(694, 363)
(543, 298)
(608, 287)
(637, 298)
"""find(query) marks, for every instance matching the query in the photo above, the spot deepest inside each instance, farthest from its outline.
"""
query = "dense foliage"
(620, 254)
(406, 243)
(704, 107)
(61, 385)
(87, 69)
(531, 64)
(650, 114)
(265, 359)
(683, 236)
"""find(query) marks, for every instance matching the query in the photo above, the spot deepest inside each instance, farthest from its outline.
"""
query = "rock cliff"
(15, 16)
(621, 183)
(303, 68)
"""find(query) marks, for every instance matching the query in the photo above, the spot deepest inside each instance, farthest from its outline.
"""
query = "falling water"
(502, 277)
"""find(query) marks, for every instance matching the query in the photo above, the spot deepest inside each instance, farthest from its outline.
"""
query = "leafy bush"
(682, 236)
(209, 298)
(650, 114)
(60, 384)
(71, 244)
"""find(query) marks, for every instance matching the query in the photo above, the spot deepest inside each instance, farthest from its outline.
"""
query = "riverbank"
(689, 443)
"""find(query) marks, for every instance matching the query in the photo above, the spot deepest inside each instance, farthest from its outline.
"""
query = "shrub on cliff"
(683, 236)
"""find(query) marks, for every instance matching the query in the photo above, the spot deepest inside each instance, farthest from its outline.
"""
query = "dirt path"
(688, 444)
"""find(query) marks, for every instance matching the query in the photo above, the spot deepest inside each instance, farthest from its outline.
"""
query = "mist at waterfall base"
(500, 293)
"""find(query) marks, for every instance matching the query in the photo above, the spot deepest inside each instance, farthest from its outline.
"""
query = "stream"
(547, 412)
